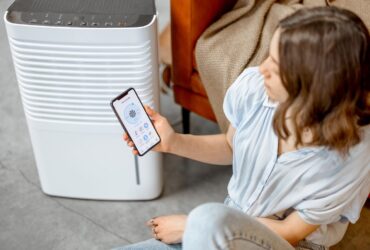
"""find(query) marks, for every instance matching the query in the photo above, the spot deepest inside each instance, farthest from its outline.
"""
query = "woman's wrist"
(173, 143)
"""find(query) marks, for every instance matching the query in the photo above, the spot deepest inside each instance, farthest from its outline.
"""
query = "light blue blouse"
(324, 188)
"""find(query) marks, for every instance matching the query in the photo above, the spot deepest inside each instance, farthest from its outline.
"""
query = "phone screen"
(135, 121)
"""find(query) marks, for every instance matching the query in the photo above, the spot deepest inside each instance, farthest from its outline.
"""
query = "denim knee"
(207, 218)
(207, 227)
(216, 226)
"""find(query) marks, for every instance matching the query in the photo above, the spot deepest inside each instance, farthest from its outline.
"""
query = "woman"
(298, 141)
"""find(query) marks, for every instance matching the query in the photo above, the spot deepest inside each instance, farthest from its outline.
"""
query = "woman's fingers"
(128, 140)
(168, 229)
(154, 228)
(126, 137)
(151, 112)
(130, 144)
(151, 222)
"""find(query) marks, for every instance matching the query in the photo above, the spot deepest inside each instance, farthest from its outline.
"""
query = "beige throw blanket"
(241, 38)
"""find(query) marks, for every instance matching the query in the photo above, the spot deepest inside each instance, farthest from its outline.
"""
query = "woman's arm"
(293, 228)
(212, 149)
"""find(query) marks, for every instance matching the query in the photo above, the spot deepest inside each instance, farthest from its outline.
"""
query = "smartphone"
(135, 121)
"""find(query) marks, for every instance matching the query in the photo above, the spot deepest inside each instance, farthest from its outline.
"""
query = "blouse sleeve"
(340, 198)
(246, 91)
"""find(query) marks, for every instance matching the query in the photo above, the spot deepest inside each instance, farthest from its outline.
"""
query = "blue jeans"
(151, 244)
(217, 226)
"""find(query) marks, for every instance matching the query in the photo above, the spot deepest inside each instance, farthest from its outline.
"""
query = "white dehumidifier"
(71, 58)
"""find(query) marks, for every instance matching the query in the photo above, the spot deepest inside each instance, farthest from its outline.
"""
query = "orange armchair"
(189, 18)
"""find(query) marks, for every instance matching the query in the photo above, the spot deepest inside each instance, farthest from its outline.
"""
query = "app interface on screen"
(136, 122)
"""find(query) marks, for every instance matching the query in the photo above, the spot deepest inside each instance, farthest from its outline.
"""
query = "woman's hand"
(164, 129)
(168, 229)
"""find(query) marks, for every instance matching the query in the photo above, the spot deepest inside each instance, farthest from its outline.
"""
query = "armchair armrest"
(189, 18)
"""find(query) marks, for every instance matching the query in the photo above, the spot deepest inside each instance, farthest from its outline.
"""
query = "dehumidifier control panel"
(82, 13)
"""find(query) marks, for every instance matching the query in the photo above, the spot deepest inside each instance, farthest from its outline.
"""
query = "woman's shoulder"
(246, 93)
(248, 86)
(250, 79)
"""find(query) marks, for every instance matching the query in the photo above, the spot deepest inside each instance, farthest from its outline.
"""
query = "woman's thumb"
(151, 112)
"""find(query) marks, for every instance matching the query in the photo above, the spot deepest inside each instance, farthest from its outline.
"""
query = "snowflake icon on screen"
(132, 113)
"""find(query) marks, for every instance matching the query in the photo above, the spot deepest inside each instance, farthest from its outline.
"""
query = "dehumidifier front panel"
(67, 77)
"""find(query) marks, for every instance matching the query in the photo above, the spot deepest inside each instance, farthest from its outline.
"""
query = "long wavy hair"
(324, 65)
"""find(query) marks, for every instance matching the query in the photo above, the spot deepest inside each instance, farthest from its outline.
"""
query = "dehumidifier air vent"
(71, 58)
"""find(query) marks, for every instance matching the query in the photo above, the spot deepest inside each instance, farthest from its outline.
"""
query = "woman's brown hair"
(324, 65)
